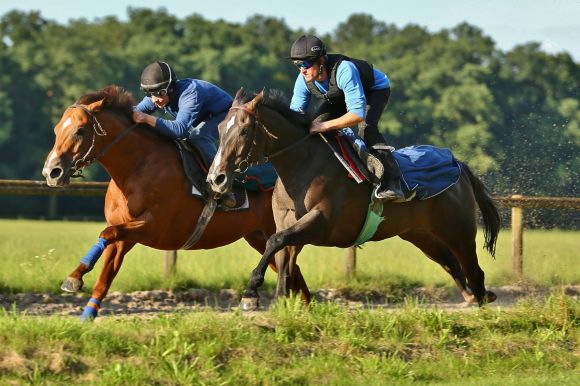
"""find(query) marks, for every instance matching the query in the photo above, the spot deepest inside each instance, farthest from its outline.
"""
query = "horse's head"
(241, 142)
(81, 138)
(76, 135)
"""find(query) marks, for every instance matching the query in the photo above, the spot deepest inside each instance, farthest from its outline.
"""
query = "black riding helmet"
(307, 48)
(158, 76)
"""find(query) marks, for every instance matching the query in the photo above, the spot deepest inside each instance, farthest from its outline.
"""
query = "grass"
(37, 255)
(535, 343)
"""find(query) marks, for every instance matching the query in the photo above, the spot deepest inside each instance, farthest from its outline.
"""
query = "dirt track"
(147, 303)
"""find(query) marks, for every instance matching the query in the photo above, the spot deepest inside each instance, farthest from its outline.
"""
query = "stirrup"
(389, 194)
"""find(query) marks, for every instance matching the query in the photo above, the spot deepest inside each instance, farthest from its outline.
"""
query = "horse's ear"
(256, 101)
(239, 95)
(96, 106)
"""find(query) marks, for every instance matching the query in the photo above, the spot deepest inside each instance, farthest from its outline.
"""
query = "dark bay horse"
(148, 200)
(316, 203)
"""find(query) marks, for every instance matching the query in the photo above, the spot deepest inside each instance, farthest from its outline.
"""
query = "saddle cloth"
(427, 170)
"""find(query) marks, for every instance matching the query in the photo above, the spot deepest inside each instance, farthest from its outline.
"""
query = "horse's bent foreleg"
(288, 279)
(133, 231)
(299, 234)
(74, 282)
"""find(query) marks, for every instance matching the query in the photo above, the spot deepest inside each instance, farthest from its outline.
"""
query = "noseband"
(76, 170)
(246, 162)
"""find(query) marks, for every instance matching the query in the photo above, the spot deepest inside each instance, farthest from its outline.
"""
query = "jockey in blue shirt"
(354, 95)
(197, 106)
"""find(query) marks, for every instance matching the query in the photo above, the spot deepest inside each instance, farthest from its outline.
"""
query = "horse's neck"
(291, 160)
(285, 132)
(124, 155)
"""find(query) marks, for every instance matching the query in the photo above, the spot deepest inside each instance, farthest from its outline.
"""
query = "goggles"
(162, 92)
(158, 93)
(303, 64)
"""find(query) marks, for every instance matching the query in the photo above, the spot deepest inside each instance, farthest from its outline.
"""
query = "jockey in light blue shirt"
(348, 80)
(354, 96)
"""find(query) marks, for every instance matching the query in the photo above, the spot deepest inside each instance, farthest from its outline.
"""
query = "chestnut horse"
(148, 200)
(316, 203)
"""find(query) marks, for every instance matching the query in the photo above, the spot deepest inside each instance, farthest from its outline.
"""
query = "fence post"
(52, 205)
(518, 238)
(169, 266)
(350, 262)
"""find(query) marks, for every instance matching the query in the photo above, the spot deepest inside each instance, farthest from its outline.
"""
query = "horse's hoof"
(71, 284)
(469, 298)
(249, 304)
(490, 296)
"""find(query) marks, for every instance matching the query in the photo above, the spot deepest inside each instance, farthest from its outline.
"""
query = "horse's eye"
(80, 131)
(244, 132)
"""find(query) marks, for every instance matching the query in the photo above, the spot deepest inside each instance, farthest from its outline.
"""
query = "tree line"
(513, 116)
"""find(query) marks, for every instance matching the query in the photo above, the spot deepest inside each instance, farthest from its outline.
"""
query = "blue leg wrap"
(91, 310)
(94, 253)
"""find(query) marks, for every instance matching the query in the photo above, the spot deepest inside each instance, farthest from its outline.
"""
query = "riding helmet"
(157, 76)
(307, 47)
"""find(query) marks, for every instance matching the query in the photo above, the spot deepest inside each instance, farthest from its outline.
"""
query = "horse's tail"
(489, 212)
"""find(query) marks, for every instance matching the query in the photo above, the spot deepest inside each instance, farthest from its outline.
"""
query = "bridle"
(260, 159)
(98, 131)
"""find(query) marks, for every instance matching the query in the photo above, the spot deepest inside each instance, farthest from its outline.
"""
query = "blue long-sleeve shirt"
(193, 101)
(348, 80)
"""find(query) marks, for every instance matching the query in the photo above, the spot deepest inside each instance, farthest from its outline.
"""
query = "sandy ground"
(143, 303)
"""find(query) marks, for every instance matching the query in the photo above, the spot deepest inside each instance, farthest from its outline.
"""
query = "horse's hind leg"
(439, 253)
(463, 247)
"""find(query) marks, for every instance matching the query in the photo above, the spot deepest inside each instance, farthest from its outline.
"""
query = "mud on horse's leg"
(74, 282)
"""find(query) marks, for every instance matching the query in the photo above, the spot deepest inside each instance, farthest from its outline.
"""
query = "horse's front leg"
(114, 242)
(306, 230)
(112, 260)
(131, 230)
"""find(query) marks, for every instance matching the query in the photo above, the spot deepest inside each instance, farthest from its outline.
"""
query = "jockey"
(197, 106)
(354, 94)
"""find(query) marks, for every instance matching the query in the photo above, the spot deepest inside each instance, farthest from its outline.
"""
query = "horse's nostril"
(55, 173)
(220, 179)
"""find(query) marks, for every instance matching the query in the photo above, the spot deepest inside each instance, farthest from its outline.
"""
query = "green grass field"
(535, 343)
(37, 255)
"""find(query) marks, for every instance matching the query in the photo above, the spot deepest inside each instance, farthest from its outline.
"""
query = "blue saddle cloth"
(428, 170)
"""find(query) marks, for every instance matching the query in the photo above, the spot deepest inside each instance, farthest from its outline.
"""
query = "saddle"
(196, 169)
(426, 170)
(367, 166)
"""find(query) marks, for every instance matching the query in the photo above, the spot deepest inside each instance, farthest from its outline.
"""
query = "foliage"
(515, 116)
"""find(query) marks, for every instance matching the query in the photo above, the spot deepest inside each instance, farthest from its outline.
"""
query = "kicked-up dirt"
(148, 303)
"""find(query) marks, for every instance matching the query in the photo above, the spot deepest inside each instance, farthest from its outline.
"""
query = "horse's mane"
(276, 100)
(116, 99)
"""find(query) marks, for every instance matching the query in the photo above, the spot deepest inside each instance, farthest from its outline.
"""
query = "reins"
(265, 158)
(98, 130)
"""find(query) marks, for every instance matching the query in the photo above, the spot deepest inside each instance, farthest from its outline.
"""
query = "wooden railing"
(517, 202)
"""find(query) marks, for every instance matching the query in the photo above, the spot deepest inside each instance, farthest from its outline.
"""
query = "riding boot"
(228, 200)
(389, 188)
